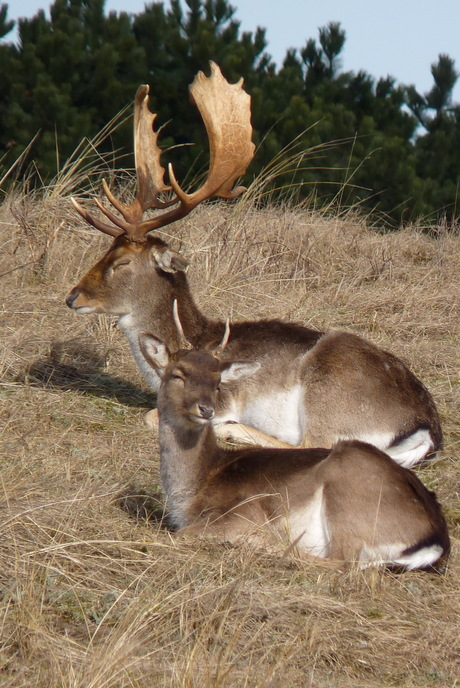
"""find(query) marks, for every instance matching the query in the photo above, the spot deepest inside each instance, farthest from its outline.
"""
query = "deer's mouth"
(201, 415)
(79, 302)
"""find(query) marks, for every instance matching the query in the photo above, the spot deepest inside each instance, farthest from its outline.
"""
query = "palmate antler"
(226, 112)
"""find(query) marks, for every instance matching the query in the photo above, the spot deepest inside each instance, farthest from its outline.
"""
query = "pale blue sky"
(398, 37)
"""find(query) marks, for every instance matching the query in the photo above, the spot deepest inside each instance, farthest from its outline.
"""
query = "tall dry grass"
(93, 591)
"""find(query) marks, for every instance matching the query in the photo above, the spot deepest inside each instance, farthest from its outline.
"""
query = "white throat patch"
(132, 332)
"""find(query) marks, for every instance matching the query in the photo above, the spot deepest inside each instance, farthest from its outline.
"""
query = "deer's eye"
(121, 264)
(177, 377)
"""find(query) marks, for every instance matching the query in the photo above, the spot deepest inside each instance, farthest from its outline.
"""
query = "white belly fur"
(280, 415)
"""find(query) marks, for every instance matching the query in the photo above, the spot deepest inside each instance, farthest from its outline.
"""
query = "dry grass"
(93, 592)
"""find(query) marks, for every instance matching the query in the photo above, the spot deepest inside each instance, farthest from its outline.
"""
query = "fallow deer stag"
(311, 389)
(349, 503)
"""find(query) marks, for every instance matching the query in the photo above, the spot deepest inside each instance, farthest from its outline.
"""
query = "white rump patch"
(393, 554)
(412, 449)
(427, 556)
(407, 453)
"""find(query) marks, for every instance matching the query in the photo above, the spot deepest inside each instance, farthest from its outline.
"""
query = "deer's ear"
(169, 260)
(155, 352)
(239, 370)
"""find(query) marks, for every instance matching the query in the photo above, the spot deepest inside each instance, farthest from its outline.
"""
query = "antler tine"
(94, 221)
(217, 353)
(183, 342)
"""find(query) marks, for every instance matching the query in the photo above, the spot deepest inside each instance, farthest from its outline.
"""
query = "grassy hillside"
(93, 591)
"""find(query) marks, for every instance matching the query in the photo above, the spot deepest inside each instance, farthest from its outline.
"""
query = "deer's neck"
(187, 455)
(152, 311)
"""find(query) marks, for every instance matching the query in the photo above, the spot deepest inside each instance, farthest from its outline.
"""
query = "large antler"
(225, 109)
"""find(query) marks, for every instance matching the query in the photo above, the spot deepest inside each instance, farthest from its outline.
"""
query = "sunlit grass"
(94, 591)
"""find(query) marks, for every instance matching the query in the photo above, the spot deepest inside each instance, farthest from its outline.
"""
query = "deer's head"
(191, 378)
(118, 277)
(128, 273)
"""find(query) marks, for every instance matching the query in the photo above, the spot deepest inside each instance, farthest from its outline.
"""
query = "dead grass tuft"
(93, 592)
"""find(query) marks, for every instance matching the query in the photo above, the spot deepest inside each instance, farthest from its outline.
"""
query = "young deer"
(349, 503)
(311, 388)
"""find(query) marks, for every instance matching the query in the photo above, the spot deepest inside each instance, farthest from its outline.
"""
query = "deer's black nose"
(72, 297)
(206, 413)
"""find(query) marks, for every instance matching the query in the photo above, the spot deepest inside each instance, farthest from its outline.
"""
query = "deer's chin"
(84, 310)
(198, 420)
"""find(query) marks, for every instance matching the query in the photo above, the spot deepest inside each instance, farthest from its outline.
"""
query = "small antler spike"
(217, 353)
(183, 341)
